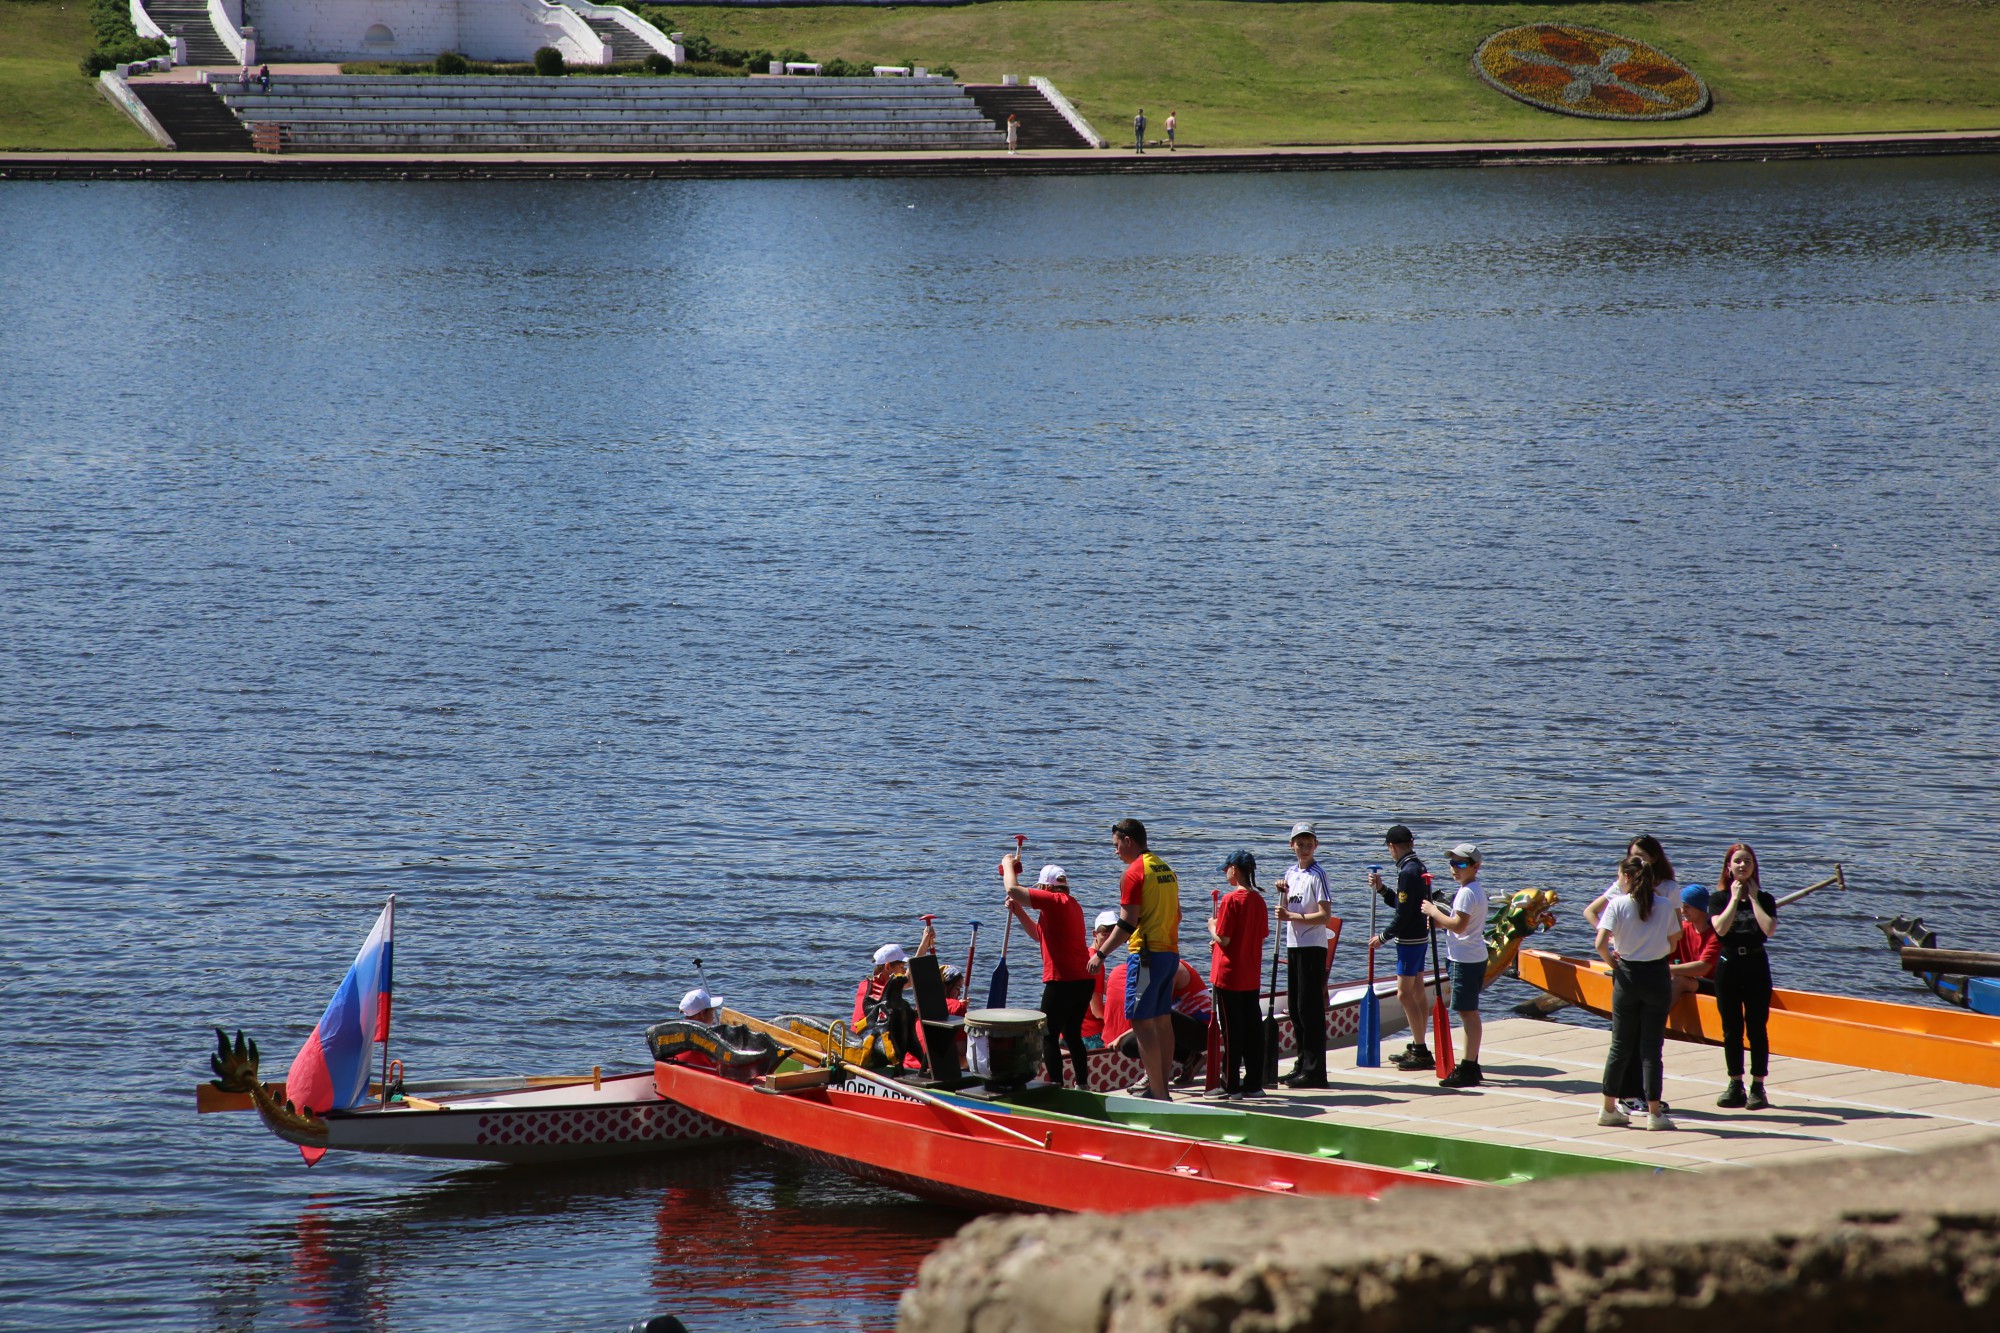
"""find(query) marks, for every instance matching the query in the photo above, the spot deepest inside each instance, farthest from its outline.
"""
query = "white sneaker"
(1658, 1120)
(1613, 1119)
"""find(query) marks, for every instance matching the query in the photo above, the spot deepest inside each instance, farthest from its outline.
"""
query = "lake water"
(625, 573)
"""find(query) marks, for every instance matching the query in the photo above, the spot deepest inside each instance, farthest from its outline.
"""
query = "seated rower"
(1094, 1016)
(697, 1006)
(891, 960)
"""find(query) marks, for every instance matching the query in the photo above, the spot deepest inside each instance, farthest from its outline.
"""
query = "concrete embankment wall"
(1907, 1243)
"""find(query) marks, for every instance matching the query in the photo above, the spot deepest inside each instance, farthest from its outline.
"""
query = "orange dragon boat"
(1950, 1045)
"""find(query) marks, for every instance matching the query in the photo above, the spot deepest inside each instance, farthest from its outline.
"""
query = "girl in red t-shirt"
(1241, 923)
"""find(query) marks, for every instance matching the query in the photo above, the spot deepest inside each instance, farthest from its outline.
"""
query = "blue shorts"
(1411, 958)
(1149, 984)
(1467, 980)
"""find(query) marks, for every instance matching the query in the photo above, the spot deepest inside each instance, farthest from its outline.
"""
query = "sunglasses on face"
(1463, 865)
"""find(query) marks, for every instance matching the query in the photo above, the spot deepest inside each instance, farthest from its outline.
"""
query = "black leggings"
(1064, 1004)
(1743, 996)
(1242, 1021)
(1641, 994)
(1305, 976)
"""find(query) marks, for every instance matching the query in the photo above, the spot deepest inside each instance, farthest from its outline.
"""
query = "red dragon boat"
(957, 1156)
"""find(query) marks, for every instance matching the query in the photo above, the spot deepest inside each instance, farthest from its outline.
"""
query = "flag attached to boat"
(330, 1072)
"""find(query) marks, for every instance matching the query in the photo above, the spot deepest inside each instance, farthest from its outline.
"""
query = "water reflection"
(721, 1238)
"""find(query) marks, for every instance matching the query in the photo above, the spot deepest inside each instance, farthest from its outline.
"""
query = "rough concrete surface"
(1892, 1241)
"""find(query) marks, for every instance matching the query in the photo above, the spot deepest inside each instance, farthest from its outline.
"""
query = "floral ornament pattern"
(1589, 72)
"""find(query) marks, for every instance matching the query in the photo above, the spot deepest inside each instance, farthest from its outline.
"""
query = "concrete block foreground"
(1887, 1241)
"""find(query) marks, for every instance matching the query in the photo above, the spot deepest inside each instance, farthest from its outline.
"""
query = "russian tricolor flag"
(330, 1072)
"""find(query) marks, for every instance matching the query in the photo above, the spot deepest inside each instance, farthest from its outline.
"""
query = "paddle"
(1269, 1074)
(1368, 1039)
(1440, 1016)
(970, 949)
(929, 1099)
(1219, 1047)
(996, 993)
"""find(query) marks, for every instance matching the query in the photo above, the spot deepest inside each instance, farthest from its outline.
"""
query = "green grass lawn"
(1248, 74)
(45, 102)
(1245, 74)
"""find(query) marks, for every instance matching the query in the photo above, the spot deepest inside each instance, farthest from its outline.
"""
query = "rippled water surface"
(629, 573)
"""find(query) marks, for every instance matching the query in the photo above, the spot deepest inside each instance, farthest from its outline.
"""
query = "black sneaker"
(1757, 1102)
(1465, 1075)
(1732, 1096)
(1415, 1057)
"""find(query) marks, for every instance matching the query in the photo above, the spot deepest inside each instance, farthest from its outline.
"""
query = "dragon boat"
(516, 1118)
(912, 1140)
(1912, 1039)
(1460, 1158)
(1979, 994)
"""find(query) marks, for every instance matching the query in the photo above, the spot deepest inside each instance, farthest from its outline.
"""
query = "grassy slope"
(1335, 72)
(1347, 72)
(45, 102)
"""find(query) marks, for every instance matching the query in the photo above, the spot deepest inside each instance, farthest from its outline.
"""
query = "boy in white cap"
(1093, 1017)
(1464, 929)
(699, 1005)
(1306, 906)
(891, 960)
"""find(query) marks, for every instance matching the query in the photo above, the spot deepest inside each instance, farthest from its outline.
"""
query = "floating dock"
(1541, 1090)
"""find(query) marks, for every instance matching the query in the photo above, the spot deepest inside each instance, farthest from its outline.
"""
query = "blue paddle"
(1368, 1036)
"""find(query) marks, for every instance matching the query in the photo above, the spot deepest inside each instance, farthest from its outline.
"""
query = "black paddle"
(1270, 1071)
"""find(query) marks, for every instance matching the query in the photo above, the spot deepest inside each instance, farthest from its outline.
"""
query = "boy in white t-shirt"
(1465, 950)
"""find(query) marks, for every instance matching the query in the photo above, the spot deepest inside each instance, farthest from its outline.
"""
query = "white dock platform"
(1541, 1090)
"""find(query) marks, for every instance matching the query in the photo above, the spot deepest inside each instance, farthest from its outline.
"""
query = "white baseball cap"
(697, 1000)
(1051, 875)
(1106, 920)
(1303, 828)
(890, 953)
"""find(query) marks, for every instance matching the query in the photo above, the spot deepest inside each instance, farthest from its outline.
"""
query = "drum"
(1013, 1041)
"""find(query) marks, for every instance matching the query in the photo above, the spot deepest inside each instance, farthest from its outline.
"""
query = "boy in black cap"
(1412, 935)
(1237, 930)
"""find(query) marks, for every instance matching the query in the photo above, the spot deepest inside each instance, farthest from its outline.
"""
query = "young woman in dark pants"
(1635, 937)
(1745, 917)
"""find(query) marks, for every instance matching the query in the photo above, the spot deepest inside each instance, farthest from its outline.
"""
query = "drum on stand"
(1013, 1040)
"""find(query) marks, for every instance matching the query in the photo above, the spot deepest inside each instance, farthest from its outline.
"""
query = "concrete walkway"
(1542, 1091)
(159, 165)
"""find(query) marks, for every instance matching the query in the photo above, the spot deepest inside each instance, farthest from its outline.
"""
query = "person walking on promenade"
(1464, 929)
(1635, 940)
(1173, 122)
(1139, 131)
(1066, 980)
(1241, 921)
(1305, 908)
(1699, 948)
(1149, 917)
(1013, 131)
(1745, 917)
(1411, 934)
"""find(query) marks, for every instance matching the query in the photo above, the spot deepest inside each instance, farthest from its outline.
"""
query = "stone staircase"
(1041, 125)
(369, 113)
(626, 46)
(188, 19)
(194, 117)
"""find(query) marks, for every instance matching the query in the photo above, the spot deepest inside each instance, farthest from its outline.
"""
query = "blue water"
(629, 573)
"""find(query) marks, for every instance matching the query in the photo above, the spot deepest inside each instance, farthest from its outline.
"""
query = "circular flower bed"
(1589, 72)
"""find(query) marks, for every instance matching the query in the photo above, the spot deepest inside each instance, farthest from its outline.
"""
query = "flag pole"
(388, 989)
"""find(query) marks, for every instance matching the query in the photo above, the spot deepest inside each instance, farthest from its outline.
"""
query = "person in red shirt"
(1067, 984)
(1699, 947)
(1094, 1018)
(1241, 923)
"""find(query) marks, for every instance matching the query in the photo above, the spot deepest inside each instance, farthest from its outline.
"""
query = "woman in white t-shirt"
(1635, 938)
